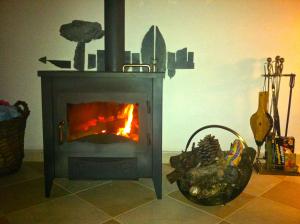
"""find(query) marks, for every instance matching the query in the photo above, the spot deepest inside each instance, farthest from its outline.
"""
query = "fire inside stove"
(103, 119)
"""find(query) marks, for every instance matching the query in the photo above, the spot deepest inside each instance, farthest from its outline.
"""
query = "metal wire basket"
(227, 190)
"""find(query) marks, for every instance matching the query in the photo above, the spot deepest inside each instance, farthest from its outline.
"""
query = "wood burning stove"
(102, 125)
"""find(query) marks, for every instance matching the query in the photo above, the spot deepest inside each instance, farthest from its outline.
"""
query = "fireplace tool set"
(279, 155)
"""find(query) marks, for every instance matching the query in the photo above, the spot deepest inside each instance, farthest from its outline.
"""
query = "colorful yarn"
(233, 157)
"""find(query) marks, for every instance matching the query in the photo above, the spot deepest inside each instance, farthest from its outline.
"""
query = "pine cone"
(207, 150)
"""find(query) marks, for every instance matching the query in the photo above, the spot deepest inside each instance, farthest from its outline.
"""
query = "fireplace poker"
(270, 73)
(276, 126)
(292, 84)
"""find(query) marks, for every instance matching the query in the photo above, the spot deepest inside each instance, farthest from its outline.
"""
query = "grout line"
(269, 188)
(224, 220)
(48, 199)
(144, 185)
(38, 204)
(59, 185)
(291, 181)
(238, 209)
(172, 191)
(255, 197)
(67, 195)
(118, 220)
(221, 221)
(106, 220)
(116, 217)
(97, 185)
(132, 209)
(279, 203)
(82, 190)
(152, 189)
(21, 181)
(91, 204)
(194, 207)
(111, 217)
(81, 199)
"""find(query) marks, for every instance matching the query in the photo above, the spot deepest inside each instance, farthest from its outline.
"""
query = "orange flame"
(104, 118)
(128, 112)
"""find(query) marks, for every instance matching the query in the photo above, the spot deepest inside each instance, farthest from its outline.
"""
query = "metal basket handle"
(215, 126)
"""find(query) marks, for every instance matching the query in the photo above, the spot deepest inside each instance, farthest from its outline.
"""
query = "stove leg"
(158, 187)
(157, 179)
(48, 186)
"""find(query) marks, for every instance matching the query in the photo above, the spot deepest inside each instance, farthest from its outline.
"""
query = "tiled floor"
(266, 199)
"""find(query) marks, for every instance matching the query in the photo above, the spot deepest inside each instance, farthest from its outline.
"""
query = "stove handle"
(149, 139)
(126, 66)
(61, 125)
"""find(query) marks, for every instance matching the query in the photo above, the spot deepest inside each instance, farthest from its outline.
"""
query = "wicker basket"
(12, 140)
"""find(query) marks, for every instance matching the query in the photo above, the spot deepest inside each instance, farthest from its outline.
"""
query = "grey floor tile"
(219, 210)
(166, 186)
(75, 186)
(25, 173)
(37, 166)
(26, 194)
(285, 192)
(118, 196)
(259, 184)
(265, 211)
(295, 179)
(166, 211)
(24, 201)
(65, 210)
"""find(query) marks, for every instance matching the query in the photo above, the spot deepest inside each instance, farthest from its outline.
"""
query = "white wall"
(231, 40)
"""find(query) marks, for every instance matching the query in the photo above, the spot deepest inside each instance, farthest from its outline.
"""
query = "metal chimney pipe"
(114, 16)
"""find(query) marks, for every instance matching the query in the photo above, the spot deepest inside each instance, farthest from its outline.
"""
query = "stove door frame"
(141, 150)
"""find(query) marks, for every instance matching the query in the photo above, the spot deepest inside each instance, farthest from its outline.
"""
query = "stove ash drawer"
(103, 168)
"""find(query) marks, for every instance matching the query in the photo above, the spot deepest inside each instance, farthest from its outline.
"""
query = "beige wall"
(231, 40)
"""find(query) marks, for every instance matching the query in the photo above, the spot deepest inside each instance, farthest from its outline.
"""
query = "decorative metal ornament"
(81, 32)
(153, 49)
(58, 63)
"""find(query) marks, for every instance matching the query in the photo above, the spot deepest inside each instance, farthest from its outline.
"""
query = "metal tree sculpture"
(81, 32)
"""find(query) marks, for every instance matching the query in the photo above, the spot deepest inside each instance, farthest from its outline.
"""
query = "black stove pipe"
(114, 16)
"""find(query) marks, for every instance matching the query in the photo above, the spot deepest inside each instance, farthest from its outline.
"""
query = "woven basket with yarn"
(12, 140)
